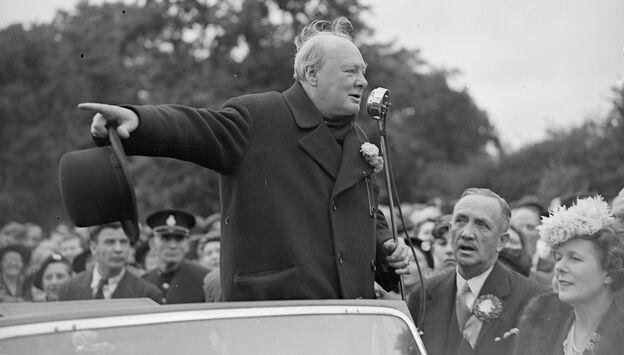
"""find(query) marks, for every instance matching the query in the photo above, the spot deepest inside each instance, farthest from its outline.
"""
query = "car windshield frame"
(174, 314)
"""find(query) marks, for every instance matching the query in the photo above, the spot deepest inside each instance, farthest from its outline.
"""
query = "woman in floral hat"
(582, 317)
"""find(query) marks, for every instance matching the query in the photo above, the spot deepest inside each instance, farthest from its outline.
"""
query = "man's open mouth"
(467, 248)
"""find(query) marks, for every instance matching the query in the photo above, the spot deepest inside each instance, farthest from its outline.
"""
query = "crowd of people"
(555, 273)
(36, 266)
(480, 275)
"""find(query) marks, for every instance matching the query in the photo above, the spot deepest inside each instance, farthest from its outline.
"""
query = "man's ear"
(502, 241)
(311, 75)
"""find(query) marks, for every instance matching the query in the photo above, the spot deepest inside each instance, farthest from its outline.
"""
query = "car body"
(137, 326)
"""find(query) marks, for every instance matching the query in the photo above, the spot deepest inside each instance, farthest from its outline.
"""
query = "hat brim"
(97, 189)
(130, 221)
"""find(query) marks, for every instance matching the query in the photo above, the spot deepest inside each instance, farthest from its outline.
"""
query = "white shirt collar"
(475, 283)
(112, 281)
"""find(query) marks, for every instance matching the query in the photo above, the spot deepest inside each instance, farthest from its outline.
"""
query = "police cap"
(171, 222)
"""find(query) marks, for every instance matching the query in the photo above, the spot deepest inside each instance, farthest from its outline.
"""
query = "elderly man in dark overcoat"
(299, 198)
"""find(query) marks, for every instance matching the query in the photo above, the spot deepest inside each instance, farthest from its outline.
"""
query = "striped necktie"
(461, 309)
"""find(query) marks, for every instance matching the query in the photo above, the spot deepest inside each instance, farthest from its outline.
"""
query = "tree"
(199, 53)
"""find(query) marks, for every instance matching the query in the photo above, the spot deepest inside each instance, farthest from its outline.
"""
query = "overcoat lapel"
(353, 167)
(323, 148)
(319, 143)
(497, 284)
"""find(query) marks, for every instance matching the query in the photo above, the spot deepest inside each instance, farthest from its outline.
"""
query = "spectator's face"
(526, 220)
(171, 248)
(33, 237)
(477, 234)
(111, 249)
(70, 248)
(413, 279)
(340, 78)
(211, 254)
(53, 276)
(442, 252)
(424, 232)
(514, 241)
(579, 274)
(12, 264)
(151, 261)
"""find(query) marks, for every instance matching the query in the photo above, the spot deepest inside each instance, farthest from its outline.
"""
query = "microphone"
(378, 103)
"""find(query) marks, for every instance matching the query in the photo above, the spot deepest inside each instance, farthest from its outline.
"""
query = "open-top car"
(140, 326)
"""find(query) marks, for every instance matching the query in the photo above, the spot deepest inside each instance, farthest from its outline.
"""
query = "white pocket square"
(507, 334)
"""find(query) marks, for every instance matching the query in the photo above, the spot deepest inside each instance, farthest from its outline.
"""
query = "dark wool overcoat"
(184, 285)
(130, 286)
(546, 321)
(441, 333)
(299, 212)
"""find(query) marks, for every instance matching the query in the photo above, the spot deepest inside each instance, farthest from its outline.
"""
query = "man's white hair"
(309, 52)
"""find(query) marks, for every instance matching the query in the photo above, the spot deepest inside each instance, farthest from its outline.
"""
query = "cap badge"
(171, 221)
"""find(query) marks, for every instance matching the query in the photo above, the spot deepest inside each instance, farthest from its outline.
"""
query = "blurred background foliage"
(201, 52)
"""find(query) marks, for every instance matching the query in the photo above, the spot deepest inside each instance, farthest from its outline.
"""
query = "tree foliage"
(201, 52)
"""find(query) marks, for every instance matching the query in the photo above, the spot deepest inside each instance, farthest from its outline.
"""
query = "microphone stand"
(377, 106)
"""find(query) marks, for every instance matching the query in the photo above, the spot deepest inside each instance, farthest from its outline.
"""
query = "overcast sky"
(530, 64)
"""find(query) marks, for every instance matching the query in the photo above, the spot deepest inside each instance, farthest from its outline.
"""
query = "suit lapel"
(318, 143)
(123, 287)
(440, 311)
(496, 284)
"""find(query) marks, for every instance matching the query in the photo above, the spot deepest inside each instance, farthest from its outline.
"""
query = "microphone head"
(378, 102)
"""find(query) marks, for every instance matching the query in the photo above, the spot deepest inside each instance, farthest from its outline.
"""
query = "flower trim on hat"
(370, 152)
(584, 218)
(487, 308)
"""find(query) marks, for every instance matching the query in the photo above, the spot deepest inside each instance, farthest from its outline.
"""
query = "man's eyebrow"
(359, 66)
(484, 220)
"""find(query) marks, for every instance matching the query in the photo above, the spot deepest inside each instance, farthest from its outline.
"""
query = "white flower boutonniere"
(487, 307)
(370, 152)
(507, 334)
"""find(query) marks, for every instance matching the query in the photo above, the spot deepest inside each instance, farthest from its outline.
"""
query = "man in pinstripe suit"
(480, 318)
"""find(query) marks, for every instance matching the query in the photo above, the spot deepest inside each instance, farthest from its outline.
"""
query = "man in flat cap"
(180, 280)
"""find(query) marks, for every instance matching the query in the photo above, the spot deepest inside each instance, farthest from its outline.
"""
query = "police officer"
(180, 280)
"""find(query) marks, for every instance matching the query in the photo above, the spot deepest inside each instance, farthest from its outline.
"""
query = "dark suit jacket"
(299, 217)
(545, 323)
(184, 286)
(441, 334)
(130, 286)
